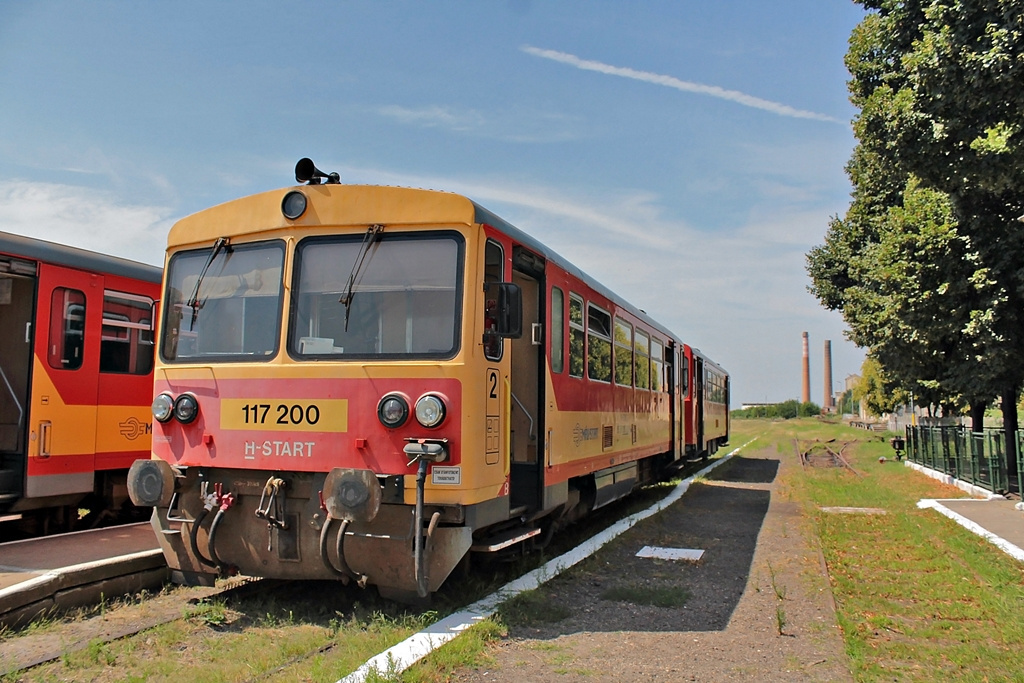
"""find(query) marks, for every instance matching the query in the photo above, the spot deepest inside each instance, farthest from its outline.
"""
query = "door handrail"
(10, 389)
(533, 437)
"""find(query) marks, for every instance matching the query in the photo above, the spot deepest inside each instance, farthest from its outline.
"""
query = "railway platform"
(70, 570)
(994, 518)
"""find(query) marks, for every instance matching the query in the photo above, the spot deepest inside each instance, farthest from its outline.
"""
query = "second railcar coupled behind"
(369, 383)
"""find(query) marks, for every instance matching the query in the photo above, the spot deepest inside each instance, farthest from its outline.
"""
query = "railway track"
(23, 652)
(821, 454)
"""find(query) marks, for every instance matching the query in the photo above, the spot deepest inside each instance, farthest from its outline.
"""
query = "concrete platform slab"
(69, 570)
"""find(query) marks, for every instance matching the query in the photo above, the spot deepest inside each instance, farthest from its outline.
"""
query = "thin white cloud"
(509, 125)
(434, 117)
(85, 218)
(672, 82)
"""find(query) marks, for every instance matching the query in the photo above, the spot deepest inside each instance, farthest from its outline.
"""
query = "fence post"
(998, 461)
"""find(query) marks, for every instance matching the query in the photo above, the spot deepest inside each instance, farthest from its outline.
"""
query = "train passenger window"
(685, 381)
(400, 298)
(641, 360)
(623, 353)
(599, 344)
(557, 332)
(126, 342)
(494, 267)
(657, 365)
(575, 335)
(67, 329)
(227, 308)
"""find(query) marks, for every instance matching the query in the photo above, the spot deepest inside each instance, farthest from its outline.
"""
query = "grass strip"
(919, 598)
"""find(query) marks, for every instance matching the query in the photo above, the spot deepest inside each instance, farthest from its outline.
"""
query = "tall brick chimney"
(806, 395)
(829, 401)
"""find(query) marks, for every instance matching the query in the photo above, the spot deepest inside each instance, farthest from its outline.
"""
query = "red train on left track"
(76, 381)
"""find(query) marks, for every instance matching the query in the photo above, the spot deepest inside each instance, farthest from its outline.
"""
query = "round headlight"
(163, 407)
(430, 410)
(293, 205)
(186, 408)
(392, 411)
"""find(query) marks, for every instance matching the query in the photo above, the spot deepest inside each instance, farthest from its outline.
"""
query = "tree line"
(786, 410)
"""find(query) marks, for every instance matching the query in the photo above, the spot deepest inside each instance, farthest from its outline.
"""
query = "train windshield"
(223, 304)
(394, 296)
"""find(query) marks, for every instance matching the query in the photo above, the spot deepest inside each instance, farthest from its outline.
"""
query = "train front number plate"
(288, 415)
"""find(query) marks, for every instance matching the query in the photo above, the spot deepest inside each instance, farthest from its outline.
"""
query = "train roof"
(387, 204)
(708, 362)
(485, 216)
(34, 249)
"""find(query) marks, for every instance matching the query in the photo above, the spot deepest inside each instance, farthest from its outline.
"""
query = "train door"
(698, 403)
(527, 430)
(682, 386)
(62, 415)
(673, 406)
(17, 306)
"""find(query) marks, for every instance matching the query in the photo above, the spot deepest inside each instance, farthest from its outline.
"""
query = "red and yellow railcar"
(705, 404)
(76, 377)
(369, 383)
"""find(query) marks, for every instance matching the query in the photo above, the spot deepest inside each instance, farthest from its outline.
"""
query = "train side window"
(641, 360)
(126, 342)
(685, 382)
(575, 335)
(494, 264)
(599, 344)
(557, 332)
(657, 365)
(67, 329)
(623, 353)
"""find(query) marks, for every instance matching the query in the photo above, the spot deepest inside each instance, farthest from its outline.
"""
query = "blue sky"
(687, 153)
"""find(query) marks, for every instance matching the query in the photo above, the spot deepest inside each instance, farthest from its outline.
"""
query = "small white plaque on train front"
(671, 553)
(451, 476)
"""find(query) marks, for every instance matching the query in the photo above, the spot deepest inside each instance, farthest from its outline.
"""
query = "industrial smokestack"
(829, 399)
(806, 396)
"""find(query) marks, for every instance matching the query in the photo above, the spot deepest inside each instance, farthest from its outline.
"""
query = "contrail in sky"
(672, 82)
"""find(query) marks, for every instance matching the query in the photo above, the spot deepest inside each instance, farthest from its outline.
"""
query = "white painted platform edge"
(951, 480)
(1001, 543)
(400, 657)
(687, 554)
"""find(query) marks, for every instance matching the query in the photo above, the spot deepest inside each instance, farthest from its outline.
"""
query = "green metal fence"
(975, 457)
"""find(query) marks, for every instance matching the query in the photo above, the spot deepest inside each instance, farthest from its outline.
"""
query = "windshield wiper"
(372, 236)
(222, 243)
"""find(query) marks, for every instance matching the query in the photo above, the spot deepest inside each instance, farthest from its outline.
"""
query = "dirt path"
(759, 609)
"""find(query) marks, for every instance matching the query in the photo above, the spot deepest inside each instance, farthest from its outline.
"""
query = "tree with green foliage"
(809, 409)
(876, 391)
(926, 265)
